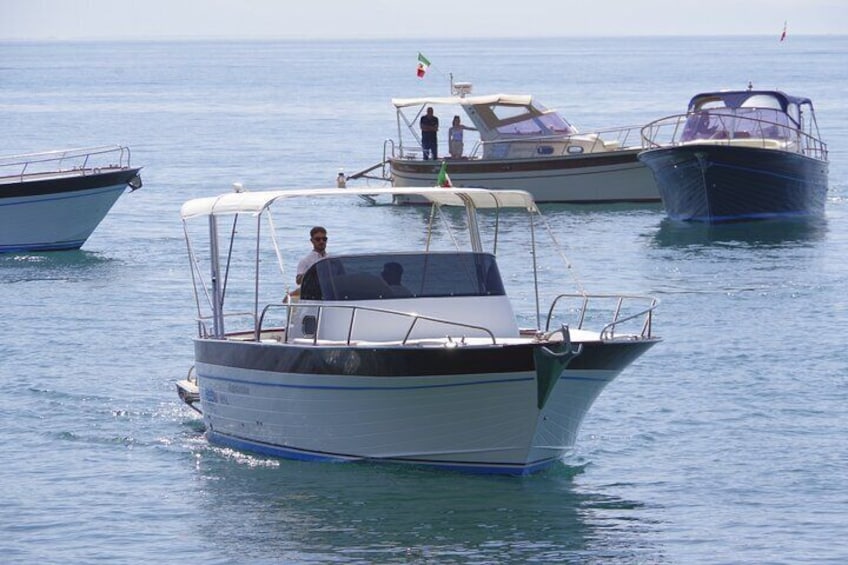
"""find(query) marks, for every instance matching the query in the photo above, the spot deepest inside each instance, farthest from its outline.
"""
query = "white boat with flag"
(54, 200)
(519, 144)
(410, 352)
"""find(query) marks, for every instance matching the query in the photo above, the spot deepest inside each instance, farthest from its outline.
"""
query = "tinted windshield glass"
(402, 275)
(537, 125)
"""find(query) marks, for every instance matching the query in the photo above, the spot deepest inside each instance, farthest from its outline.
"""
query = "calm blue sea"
(725, 444)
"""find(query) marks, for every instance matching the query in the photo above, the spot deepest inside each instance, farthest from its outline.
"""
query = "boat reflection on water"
(762, 233)
(264, 509)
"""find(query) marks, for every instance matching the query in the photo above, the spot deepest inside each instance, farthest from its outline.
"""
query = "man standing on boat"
(429, 130)
(318, 237)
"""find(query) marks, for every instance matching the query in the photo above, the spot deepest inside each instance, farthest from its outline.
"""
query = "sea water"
(724, 444)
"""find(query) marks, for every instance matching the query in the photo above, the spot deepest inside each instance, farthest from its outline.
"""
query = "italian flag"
(423, 65)
(444, 180)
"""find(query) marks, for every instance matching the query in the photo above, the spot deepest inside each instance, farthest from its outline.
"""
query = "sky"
(430, 19)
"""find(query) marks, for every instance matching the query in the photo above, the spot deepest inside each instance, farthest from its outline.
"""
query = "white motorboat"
(54, 200)
(434, 369)
(520, 145)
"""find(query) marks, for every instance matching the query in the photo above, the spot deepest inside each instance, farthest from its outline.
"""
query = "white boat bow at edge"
(53, 201)
(434, 370)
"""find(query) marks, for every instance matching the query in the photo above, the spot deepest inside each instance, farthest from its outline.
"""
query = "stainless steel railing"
(84, 160)
(730, 129)
(617, 312)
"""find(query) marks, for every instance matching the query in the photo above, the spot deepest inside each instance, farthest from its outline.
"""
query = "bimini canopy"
(500, 99)
(255, 202)
(747, 98)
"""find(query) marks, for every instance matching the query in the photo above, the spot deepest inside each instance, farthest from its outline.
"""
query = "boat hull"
(57, 211)
(720, 183)
(589, 178)
(490, 409)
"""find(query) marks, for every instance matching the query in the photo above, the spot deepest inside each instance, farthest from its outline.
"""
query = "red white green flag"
(444, 180)
(423, 65)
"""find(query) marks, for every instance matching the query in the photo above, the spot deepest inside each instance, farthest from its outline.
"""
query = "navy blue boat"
(739, 155)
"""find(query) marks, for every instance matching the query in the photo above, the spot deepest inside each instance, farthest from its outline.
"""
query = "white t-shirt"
(310, 259)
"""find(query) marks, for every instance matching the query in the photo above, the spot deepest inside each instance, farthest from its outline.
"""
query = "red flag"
(783, 33)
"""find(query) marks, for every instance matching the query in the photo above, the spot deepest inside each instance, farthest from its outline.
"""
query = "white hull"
(53, 201)
(54, 221)
(629, 181)
(410, 357)
(481, 422)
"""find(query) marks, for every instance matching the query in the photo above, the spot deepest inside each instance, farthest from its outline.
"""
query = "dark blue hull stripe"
(59, 185)
(500, 166)
(405, 362)
(476, 467)
(57, 246)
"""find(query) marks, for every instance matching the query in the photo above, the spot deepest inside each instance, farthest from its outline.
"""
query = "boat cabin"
(746, 114)
(509, 126)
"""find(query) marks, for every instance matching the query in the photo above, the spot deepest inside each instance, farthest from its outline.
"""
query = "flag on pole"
(783, 33)
(444, 180)
(423, 65)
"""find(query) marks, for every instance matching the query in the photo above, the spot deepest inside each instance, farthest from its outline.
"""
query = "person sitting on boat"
(704, 131)
(392, 274)
(697, 127)
(455, 144)
(429, 130)
(318, 237)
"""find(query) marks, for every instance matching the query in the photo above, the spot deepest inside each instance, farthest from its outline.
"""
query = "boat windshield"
(547, 124)
(402, 275)
(743, 122)
(508, 120)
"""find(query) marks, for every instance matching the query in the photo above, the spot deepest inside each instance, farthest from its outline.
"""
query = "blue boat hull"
(720, 183)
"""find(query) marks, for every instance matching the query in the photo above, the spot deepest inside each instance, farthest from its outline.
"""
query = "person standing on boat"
(455, 144)
(318, 237)
(429, 130)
